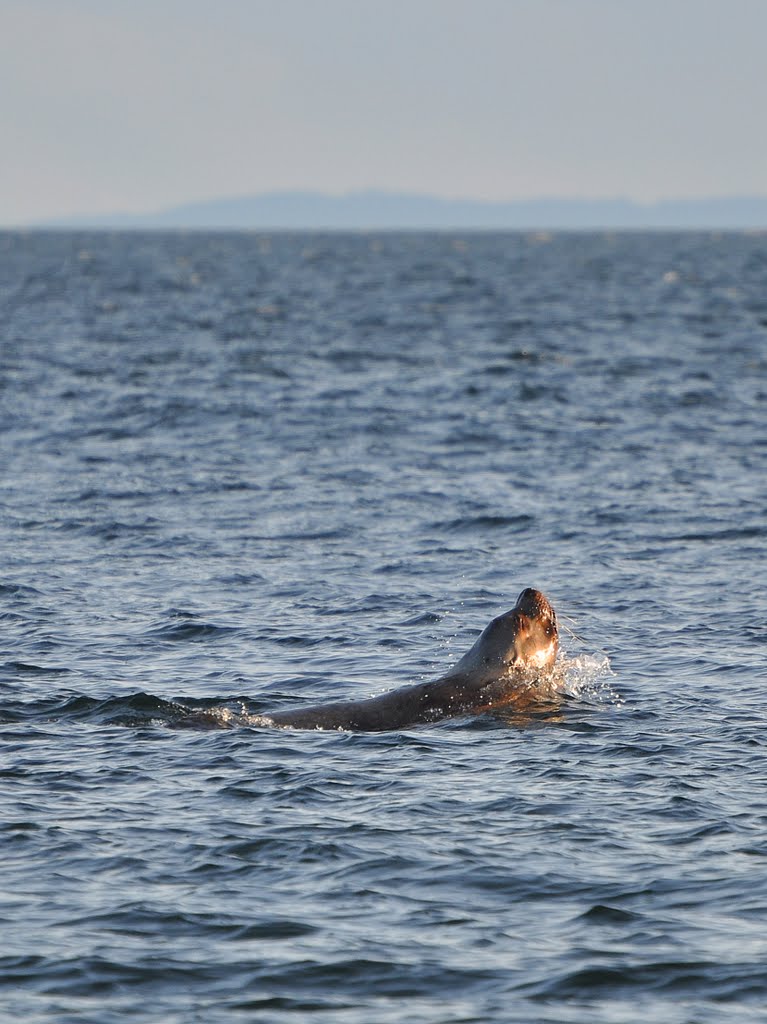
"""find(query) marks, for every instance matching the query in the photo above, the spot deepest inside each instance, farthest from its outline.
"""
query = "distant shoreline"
(391, 211)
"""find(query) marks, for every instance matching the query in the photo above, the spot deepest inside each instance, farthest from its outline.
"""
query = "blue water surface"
(243, 472)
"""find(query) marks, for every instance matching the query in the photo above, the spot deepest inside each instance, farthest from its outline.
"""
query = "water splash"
(587, 677)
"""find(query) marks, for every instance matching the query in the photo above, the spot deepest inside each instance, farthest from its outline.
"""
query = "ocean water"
(244, 472)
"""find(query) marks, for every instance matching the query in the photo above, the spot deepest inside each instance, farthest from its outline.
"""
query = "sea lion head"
(537, 640)
(523, 639)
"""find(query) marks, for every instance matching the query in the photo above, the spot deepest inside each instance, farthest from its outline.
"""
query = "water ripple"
(245, 471)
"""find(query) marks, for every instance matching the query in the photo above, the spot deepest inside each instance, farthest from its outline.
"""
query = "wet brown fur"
(503, 667)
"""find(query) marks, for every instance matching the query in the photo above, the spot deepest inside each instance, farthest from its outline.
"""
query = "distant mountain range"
(390, 210)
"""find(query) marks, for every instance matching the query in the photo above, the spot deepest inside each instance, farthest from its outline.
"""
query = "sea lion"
(509, 659)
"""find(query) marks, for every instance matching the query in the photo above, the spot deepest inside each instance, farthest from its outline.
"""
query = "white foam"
(588, 675)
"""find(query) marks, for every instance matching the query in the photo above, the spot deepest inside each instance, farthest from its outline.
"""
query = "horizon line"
(388, 208)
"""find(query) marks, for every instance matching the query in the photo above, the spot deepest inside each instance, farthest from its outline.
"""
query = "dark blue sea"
(241, 473)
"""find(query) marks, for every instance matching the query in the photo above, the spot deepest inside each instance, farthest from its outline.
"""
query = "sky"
(138, 105)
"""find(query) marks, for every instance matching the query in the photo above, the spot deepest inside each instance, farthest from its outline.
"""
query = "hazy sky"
(134, 105)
